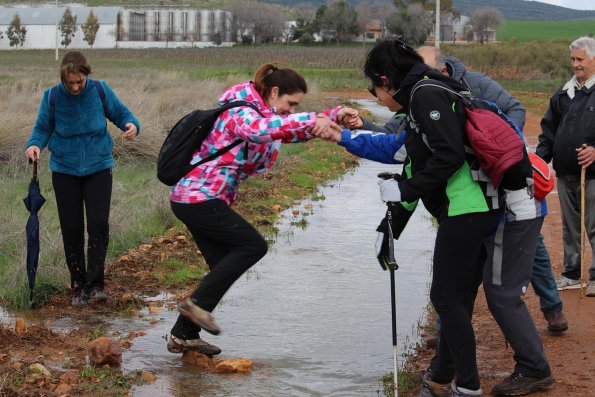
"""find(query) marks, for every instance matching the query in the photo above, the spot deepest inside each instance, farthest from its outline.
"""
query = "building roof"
(50, 15)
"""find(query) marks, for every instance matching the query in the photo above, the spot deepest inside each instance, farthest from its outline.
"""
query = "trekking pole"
(392, 266)
(582, 226)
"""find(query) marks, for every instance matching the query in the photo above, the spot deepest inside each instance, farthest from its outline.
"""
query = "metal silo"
(150, 25)
(125, 25)
(228, 26)
(192, 26)
(178, 25)
(219, 24)
(206, 25)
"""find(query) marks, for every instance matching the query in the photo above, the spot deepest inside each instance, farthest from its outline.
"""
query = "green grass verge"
(140, 212)
(544, 30)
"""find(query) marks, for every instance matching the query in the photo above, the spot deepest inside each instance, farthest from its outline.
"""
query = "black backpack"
(173, 162)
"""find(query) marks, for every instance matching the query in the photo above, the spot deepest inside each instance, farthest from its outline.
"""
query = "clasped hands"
(331, 131)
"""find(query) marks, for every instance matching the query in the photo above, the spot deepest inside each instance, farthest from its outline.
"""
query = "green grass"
(139, 211)
(546, 30)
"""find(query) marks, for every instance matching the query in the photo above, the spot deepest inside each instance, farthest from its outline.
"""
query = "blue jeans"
(543, 281)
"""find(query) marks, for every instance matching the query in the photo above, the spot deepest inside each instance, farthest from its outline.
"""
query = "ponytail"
(270, 75)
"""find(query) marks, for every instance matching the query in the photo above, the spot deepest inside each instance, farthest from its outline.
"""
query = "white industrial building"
(122, 28)
(41, 24)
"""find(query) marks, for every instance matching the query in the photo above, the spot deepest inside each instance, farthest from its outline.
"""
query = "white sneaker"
(591, 288)
(567, 283)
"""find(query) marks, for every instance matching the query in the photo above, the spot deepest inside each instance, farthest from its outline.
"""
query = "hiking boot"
(591, 288)
(177, 345)
(97, 294)
(199, 316)
(556, 322)
(518, 384)
(563, 282)
(462, 392)
(78, 299)
(429, 388)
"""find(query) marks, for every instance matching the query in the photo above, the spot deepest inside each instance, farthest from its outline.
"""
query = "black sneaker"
(177, 345)
(518, 384)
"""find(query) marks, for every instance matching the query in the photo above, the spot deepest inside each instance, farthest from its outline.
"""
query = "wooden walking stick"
(583, 170)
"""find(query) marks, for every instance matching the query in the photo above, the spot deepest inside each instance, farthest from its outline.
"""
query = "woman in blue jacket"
(72, 123)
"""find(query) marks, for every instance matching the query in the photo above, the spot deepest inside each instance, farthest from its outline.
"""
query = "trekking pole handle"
(386, 175)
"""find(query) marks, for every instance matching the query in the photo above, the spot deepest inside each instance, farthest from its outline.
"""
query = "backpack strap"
(53, 104)
(227, 148)
(52, 100)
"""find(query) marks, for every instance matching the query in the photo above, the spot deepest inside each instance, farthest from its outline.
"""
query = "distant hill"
(525, 10)
(511, 9)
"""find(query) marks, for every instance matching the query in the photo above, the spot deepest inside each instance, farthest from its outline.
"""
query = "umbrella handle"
(34, 170)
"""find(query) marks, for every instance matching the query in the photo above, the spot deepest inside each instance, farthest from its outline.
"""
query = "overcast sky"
(576, 4)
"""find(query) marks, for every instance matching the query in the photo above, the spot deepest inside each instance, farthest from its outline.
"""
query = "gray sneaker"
(591, 288)
(199, 316)
(567, 283)
(78, 298)
(97, 294)
(429, 388)
(177, 345)
(462, 392)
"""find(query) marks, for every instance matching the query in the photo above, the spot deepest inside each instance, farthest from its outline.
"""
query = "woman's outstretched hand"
(326, 129)
(349, 118)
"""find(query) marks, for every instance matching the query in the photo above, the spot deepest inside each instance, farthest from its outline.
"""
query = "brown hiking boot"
(556, 322)
(177, 345)
(517, 385)
(199, 316)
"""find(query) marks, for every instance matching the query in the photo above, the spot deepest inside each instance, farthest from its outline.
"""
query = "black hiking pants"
(230, 246)
(77, 196)
(459, 255)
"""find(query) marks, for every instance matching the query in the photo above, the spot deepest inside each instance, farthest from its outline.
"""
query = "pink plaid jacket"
(220, 177)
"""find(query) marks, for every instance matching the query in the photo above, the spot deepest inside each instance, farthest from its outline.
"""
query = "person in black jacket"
(568, 124)
(467, 211)
(484, 87)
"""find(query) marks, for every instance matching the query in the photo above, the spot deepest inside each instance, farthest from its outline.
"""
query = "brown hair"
(74, 62)
(270, 75)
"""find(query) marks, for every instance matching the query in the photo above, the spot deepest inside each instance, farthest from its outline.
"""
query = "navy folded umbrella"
(34, 201)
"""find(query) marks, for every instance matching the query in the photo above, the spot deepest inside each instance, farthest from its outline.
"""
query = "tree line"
(337, 21)
(17, 32)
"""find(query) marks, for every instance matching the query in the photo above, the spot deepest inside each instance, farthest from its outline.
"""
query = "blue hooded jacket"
(79, 141)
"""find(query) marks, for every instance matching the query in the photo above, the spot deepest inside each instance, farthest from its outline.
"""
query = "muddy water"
(314, 315)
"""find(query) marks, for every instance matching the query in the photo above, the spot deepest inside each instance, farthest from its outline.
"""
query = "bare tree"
(374, 11)
(268, 20)
(90, 28)
(16, 33)
(483, 20)
(67, 27)
(413, 25)
(341, 18)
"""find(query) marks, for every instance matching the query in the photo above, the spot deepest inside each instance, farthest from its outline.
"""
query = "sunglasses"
(372, 90)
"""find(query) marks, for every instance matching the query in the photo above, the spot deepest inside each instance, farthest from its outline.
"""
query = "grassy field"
(533, 30)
